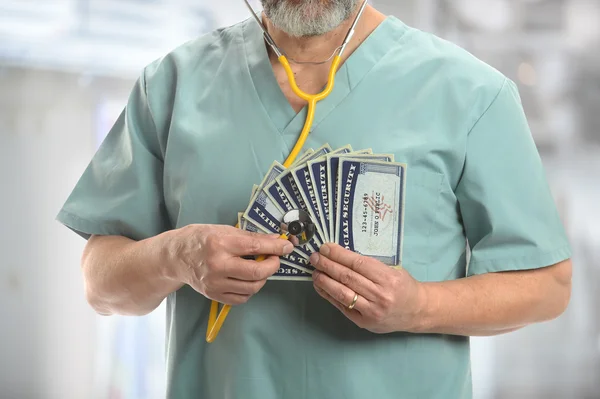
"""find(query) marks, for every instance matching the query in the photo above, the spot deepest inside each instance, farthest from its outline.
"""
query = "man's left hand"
(389, 299)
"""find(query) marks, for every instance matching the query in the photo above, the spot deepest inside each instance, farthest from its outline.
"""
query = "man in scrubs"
(204, 123)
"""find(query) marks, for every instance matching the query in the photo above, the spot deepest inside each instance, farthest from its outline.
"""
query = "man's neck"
(320, 48)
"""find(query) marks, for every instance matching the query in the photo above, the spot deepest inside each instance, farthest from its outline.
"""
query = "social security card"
(318, 175)
(334, 165)
(260, 210)
(332, 175)
(303, 181)
(370, 212)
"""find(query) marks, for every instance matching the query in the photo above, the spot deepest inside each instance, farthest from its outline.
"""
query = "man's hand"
(209, 259)
(391, 300)
(388, 298)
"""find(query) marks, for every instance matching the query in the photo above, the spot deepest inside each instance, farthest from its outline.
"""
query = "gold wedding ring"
(353, 302)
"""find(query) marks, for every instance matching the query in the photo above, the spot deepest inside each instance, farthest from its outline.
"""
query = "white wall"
(47, 338)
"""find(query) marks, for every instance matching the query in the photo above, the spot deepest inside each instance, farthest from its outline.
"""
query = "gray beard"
(309, 17)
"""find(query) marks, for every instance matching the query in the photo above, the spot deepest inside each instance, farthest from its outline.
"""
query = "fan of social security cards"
(354, 198)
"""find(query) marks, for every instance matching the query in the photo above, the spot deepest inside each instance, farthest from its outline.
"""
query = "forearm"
(494, 303)
(127, 277)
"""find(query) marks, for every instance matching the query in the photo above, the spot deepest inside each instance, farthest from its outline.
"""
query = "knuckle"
(257, 272)
(340, 296)
(358, 263)
(377, 315)
(346, 278)
(214, 243)
(317, 278)
(387, 301)
(251, 246)
(324, 263)
(396, 283)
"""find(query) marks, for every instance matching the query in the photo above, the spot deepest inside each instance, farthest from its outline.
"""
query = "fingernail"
(325, 250)
(315, 274)
(314, 258)
(288, 248)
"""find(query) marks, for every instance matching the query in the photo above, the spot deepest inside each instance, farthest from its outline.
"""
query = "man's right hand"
(209, 259)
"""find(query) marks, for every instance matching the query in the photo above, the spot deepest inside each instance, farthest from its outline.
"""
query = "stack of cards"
(355, 199)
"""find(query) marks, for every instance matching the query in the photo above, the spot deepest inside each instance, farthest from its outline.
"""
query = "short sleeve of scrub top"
(120, 192)
(510, 218)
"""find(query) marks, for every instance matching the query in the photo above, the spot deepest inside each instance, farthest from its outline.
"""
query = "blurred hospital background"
(66, 68)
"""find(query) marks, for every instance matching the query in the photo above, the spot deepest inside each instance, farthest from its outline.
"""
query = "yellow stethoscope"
(216, 322)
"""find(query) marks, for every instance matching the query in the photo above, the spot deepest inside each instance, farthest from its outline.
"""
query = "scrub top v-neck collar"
(384, 38)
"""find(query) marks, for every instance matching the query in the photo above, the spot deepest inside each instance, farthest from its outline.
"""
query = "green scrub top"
(204, 123)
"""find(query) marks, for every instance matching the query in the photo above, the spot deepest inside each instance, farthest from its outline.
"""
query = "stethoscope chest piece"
(298, 226)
